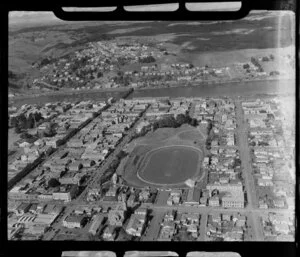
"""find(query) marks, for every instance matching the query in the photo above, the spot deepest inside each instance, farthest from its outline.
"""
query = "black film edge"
(180, 14)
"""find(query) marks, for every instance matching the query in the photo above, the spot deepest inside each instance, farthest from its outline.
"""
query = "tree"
(252, 143)
(155, 125)
(50, 131)
(272, 73)
(182, 119)
(265, 59)
(169, 122)
(121, 61)
(257, 64)
(237, 162)
(13, 121)
(53, 182)
(18, 130)
(126, 81)
(209, 126)
(194, 122)
(121, 154)
(22, 120)
(21, 123)
(11, 74)
(30, 122)
(38, 116)
(208, 143)
(246, 66)
(45, 61)
(147, 59)
(26, 136)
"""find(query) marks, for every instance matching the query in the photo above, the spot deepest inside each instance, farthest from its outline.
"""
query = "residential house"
(22, 209)
(97, 221)
(109, 233)
(74, 221)
(136, 224)
(214, 201)
(193, 196)
(65, 193)
(116, 217)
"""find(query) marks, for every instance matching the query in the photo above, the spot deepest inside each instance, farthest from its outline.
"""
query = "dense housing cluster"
(78, 188)
(272, 148)
(115, 63)
(226, 227)
(278, 226)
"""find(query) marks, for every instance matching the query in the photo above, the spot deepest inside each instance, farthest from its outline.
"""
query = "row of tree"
(210, 134)
(168, 122)
(12, 182)
(113, 166)
(122, 80)
(172, 122)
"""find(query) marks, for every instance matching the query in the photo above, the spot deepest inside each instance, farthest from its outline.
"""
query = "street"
(107, 162)
(242, 133)
(159, 208)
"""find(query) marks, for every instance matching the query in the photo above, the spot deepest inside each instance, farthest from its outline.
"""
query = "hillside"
(259, 30)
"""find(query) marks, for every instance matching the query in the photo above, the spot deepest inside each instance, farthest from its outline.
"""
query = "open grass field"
(228, 58)
(170, 165)
(185, 132)
(190, 135)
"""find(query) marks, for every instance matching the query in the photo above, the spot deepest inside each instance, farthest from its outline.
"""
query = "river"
(233, 89)
(246, 88)
(97, 95)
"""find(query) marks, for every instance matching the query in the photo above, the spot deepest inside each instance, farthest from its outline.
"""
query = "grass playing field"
(170, 165)
(166, 157)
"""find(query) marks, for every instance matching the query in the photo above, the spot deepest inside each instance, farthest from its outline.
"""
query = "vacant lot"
(170, 165)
